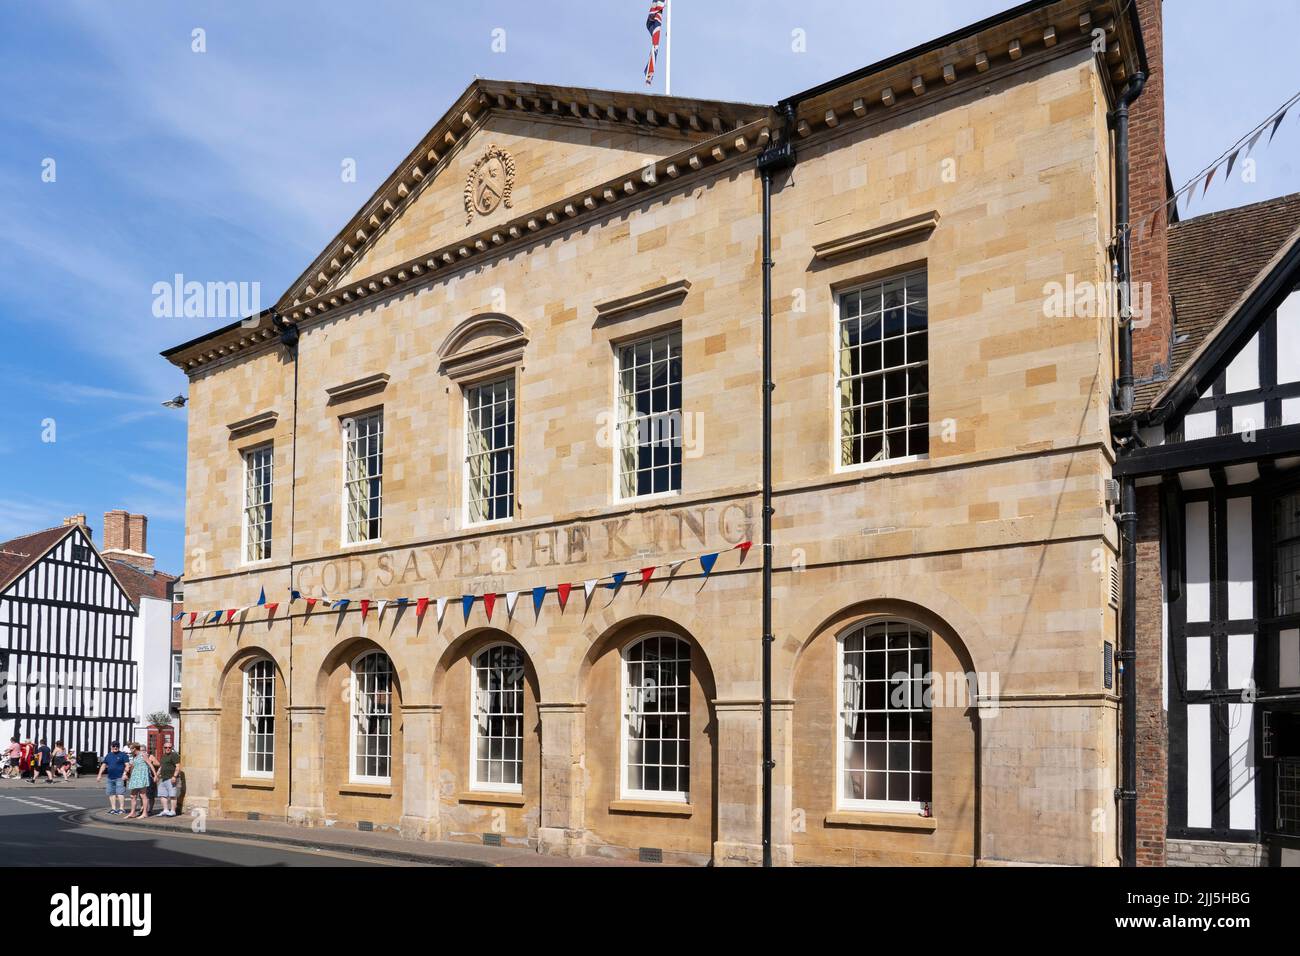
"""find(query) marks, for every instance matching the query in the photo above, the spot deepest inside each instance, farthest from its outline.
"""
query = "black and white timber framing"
(66, 656)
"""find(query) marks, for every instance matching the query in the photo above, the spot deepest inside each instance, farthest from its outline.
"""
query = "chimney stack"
(115, 533)
(78, 519)
(1153, 331)
(137, 527)
(125, 539)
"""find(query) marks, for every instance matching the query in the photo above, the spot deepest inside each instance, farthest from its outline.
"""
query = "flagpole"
(668, 48)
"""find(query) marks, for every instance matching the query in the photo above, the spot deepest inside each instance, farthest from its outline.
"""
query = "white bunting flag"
(442, 607)
(511, 598)
(380, 610)
(589, 586)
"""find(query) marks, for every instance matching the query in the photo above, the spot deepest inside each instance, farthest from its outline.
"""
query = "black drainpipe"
(1127, 517)
(775, 158)
(289, 339)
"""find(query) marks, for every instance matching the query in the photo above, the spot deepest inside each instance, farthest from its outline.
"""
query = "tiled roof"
(1213, 259)
(18, 554)
(138, 583)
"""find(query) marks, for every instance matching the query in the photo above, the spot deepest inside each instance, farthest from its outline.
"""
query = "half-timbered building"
(71, 633)
(1218, 458)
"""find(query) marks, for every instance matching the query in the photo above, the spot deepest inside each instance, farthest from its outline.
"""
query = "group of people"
(30, 761)
(137, 774)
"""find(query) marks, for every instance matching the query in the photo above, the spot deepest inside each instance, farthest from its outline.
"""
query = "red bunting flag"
(563, 592)
(193, 615)
(743, 548)
(646, 575)
(270, 610)
(230, 615)
(311, 603)
(365, 609)
(489, 601)
(421, 606)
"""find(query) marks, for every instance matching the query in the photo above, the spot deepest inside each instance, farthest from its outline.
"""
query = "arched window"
(372, 718)
(657, 719)
(258, 736)
(498, 744)
(884, 738)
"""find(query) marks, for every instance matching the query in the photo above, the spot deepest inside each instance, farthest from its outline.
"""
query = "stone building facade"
(533, 360)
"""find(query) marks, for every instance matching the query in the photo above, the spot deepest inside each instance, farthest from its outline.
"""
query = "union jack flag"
(655, 24)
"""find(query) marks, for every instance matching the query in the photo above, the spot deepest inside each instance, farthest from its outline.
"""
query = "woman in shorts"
(61, 764)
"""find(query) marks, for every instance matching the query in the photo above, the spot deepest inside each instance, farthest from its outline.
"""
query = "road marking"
(40, 806)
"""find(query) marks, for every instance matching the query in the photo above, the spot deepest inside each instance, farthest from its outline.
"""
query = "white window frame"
(345, 529)
(627, 792)
(466, 495)
(248, 456)
(176, 677)
(245, 729)
(354, 730)
(673, 333)
(837, 411)
(842, 802)
(476, 783)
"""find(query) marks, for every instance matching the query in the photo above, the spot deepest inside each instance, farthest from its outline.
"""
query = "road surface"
(41, 825)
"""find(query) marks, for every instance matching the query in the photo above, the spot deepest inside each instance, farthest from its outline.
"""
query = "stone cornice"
(608, 311)
(970, 60)
(859, 242)
(254, 423)
(362, 386)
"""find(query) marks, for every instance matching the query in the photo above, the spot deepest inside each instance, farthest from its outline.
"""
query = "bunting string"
(613, 582)
(1239, 150)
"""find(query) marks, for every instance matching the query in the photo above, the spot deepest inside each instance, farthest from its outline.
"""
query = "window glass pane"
(257, 504)
(363, 476)
(884, 355)
(259, 717)
(490, 450)
(884, 716)
(1286, 554)
(649, 407)
(499, 713)
(656, 716)
(372, 716)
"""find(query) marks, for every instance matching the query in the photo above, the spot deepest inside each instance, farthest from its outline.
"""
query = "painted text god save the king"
(615, 539)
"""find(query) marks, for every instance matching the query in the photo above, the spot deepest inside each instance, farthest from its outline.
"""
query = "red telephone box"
(159, 737)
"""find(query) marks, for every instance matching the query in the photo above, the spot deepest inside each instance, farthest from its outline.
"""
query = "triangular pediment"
(503, 150)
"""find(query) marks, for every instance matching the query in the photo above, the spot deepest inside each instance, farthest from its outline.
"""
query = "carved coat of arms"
(489, 184)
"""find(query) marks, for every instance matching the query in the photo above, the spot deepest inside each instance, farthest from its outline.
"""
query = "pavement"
(350, 841)
(68, 823)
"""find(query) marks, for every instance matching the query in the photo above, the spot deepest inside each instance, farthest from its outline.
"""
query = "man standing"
(44, 762)
(114, 763)
(169, 771)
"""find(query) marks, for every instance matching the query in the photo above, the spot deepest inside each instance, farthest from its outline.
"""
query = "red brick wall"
(1152, 726)
(1152, 333)
(137, 532)
(115, 531)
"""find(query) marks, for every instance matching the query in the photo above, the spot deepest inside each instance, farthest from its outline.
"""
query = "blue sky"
(224, 166)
